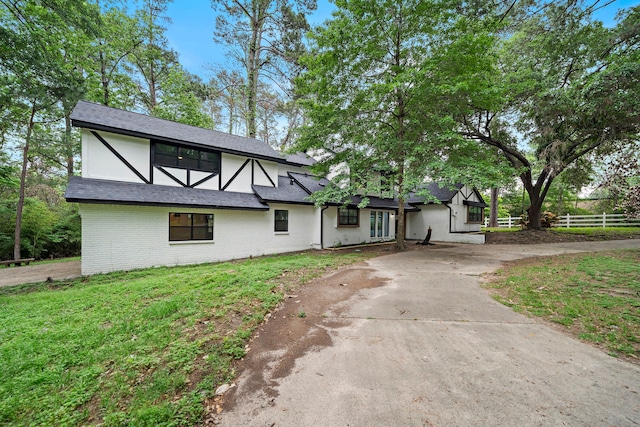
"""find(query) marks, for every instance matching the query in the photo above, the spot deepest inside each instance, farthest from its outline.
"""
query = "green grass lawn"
(142, 348)
(595, 296)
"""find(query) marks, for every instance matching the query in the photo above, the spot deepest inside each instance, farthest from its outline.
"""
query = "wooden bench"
(17, 262)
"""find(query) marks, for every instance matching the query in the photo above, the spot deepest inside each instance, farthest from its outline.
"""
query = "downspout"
(450, 215)
(322, 227)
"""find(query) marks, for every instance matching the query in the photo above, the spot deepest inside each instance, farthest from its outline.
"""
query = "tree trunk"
(400, 236)
(23, 183)
(253, 65)
(535, 216)
(493, 210)
(537, 194)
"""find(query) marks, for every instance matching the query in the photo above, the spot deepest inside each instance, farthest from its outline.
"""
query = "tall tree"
(266, 39)
(569, 90)
(183, 95)
(226, 96)
(36, 71)
(110, 79)
(375, 90)
(152, 58)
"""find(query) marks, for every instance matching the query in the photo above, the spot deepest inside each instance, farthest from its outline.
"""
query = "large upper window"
(186, 158)
(348, 216)
(281, 220)
(190, 226)
(475, 214)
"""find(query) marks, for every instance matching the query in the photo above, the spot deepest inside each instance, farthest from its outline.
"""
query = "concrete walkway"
(431, 348)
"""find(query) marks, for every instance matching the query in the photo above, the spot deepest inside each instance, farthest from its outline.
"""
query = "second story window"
(186, 158)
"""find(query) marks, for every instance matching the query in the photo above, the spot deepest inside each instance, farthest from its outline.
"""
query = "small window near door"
(281, 222)
(475, 214)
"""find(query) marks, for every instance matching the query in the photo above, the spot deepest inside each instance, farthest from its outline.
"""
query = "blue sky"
(191, 32)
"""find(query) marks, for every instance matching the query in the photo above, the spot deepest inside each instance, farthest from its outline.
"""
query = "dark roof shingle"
(310, 183)
(99, 117)
(441, 192)
(86, 190)
(287, 191)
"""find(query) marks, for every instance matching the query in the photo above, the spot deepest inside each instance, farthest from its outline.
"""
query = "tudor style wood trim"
(265, 173)
(205, 179)
(161, 169)
(235, 175)
(119, 156)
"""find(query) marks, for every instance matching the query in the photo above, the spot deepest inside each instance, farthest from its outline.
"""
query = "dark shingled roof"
(288, 191)
(98, 117)
(310, 183)
(302, 159)
(86, 190)
(444, 194)
(379, 203)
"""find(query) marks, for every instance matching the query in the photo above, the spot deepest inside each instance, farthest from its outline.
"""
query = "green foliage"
(383, 85)
(567, 94)
(266, 39)
(180, 102)
(46, 231)
(123, 348)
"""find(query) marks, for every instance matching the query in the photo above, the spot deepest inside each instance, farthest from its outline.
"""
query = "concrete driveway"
(431, 348)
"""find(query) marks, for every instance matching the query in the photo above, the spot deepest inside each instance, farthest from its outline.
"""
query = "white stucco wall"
(260, 178)
(128, 237)
(335, 235)
(100, 163)
(437, 217)
(251, 174)
(434, 216)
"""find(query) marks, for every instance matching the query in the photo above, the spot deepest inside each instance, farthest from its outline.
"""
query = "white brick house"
(155, 192)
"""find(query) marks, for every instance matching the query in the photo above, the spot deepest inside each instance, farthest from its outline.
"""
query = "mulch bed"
(551, 236)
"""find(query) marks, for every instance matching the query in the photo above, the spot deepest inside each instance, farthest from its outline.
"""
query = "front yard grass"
(140, 348)
(595, 297)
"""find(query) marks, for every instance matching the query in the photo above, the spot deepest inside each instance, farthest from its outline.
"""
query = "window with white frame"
(379, 224)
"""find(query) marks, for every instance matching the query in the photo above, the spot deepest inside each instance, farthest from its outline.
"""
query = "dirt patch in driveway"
(302, 323)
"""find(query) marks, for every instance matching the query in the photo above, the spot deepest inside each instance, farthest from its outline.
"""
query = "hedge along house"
(155, 192)
(457, 217)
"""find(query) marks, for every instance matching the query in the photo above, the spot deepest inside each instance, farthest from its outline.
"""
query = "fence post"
(604, 220)
(568, 220)
(509, 220)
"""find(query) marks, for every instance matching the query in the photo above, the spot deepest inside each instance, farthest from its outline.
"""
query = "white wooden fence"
(568, 221)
